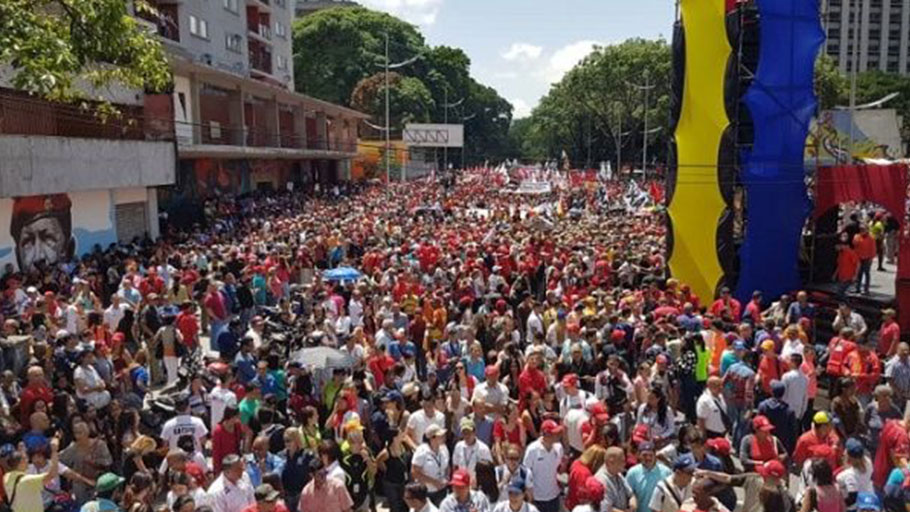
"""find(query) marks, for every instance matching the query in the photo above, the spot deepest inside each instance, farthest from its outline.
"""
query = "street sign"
(434, 135)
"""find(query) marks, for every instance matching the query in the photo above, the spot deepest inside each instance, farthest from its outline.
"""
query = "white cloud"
(520, 108)
(522, 52)
(565, 58)
(419, 12)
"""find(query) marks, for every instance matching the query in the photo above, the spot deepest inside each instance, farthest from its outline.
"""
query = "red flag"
(657, 192)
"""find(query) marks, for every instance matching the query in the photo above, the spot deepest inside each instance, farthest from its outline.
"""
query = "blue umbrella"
(342, 274)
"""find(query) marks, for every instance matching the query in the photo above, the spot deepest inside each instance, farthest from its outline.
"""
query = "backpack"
(6, 505)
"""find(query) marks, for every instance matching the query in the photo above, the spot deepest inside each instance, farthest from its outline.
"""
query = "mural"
(876, 134)
(46, 229)
(370, 161)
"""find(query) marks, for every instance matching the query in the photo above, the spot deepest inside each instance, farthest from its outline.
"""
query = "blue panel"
(782, 102)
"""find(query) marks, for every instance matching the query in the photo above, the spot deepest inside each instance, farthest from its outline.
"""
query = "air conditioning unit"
(206, 58)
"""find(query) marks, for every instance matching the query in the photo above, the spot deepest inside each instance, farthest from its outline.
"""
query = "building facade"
(239, 125)
(882, 35)
(71, 182)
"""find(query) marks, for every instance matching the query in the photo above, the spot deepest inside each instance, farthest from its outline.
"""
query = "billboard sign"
(434, 135)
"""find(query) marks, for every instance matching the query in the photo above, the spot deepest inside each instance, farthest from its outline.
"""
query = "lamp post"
(388, 141)
(646, 88)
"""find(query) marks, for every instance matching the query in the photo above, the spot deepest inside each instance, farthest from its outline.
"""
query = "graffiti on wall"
(874, 134)
(47, 229)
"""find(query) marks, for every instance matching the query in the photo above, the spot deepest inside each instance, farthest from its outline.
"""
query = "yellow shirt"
(28, 491)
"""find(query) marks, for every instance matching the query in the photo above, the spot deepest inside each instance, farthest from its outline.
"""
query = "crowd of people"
(495, 354)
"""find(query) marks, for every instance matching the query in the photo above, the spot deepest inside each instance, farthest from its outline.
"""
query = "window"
(282, 62)
(281, 30)
(199, 27)
(233, 43)
(231, 5)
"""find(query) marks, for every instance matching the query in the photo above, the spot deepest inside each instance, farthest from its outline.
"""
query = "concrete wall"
(34, 165)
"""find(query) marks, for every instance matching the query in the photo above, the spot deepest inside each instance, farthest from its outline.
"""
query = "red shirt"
(379, 365)
(864, 366)
(889, 334)
(893, 439)
(734, 306)
(768, 369)
(810, 439)
(531, 379)
(847, 264)
(864, 246)
(279, 507)
(578, 476)
(188, 326)
(30, 395)
(224, 443)
(214, 303)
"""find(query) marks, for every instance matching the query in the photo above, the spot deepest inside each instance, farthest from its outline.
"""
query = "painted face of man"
(41, 240)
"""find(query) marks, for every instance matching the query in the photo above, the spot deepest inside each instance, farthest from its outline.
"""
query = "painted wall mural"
(46, 229)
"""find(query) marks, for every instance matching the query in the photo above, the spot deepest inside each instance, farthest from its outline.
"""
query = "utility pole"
(619, 142)
(446, 106)
(644, 150)
(388, 130)
(854, 67)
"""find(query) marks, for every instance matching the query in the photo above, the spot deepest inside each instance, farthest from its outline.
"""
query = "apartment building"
(881, 29)
(239, 124)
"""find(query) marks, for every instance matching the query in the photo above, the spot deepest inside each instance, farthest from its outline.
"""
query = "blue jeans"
(865, 273)
(740, 423)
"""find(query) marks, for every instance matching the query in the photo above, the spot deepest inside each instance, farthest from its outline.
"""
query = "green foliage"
(873, 85)
(830, 84)
(597, 100)
(63, 49)
(339, 55)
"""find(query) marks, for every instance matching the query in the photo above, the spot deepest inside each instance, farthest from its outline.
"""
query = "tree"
(334, 49)
(66, 50)
(409, 99)
(830, 84)
(339, 54)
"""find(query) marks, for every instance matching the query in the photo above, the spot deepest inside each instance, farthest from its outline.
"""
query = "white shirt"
(504, 506)
(706, 408)
(433, 465)
(544, 466)
(418, 423)
(52, 488)
(227, 496)
(113, 315)
(504, 475)
(796, 392)
(184, 425)
(575, 418)
(356, 352)
(569, 402)
(791, 347)
(497, 394)
(667, 497)
(851, 479)
(467, 456)
(221, 399)
(355, 311)
(535, 326)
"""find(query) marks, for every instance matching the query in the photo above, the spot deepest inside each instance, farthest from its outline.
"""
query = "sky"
(520, 47)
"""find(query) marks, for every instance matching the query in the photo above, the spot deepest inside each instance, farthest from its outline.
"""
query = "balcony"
(164, 20)
(249, 139)
(260, 31)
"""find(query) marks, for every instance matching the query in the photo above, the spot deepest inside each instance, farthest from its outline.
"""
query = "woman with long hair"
(139, 493)
(657, 415)
(394, 463)
(508, 430)
(823, 495)
(581, 469)
(485, 474)
(531, 417)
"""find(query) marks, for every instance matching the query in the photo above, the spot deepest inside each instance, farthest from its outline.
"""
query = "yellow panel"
(697, 203)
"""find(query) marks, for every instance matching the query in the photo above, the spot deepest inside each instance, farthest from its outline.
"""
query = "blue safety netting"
(782, 102)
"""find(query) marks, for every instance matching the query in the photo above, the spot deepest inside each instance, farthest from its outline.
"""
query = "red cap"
(762, 423)
(720, 445)
(599, 413)
(617, 335)
(821, 451)
(491, 371)
(573, 328)
(570, 380)
(593, 490)
(461, 478)
(772, 468)
(118, 337)
(641, 433)
(551, 428)
(30, 208)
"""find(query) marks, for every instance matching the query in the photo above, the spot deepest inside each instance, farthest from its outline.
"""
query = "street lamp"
(644, 149)
(388, 66)
(446, 106)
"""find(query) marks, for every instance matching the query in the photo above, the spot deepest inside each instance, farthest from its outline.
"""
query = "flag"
(656, 192)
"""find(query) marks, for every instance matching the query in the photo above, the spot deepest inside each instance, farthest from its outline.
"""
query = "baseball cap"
(460, 478)
(467, 424)
(720, 445)
(551, 428)
(434, 430)
(645, 446)
(108, 482)
(517, 485)
(599, 413)
(266, 492)
(821, 418)
(685, 463)
(570, 380)
(761, 422)
(868, 501)
(854, 447)
(771, 468)
(739, 345)
(767, 345)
